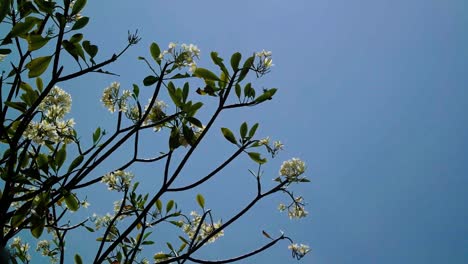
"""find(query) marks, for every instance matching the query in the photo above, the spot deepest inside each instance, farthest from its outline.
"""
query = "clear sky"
(372, 95)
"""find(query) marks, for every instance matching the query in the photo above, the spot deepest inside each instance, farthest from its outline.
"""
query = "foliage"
(46, 165)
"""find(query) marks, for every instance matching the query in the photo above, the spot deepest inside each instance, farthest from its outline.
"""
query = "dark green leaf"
(238, 90)
(4, 9)
(201, 201)
(158, 205)
(169, 206)
(96, 135)
(76, 38)
(78, 6)
(22, 27)
(194, 121)
(155, 51)
(256, 157)
(245, 69)
(243, 130)
(5, 51)
(235, 59)
(77, 161)
(17, 105)
(228, 135)
(174, 141)
(150, 80)
(218, 61)
(92, 50)
(136, 90)
(36, 42)
(253, 130)
(71, 201)
(38, 228)
(61, 156)
(80, 23)
(205, 74)
(78, 259)
(38, 66)
(148, 242)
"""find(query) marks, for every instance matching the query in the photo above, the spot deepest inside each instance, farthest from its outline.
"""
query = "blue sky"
(372, 95)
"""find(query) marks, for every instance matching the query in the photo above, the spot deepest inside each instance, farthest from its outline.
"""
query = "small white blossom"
(2, 57)
(292, 169)
(299, 251)
(117, 180)
(205, 230)
(156, 114)
(111, 99)
(56, 104)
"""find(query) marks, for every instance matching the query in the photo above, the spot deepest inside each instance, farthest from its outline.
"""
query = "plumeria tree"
(46, 167)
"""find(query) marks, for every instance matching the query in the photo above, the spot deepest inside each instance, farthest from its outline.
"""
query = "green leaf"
(205, 74)
(238, 90)
(96, 135)
(78, 6)
(158, 205)
(256, 157)
(78, 259)
(194, 121)
(253, 130)
(36, 42)
(92, 50)
(61, 157)
(17, 105)
(4, 9)
(22, 27)
(71, 201)
(136, 90)
(174, 141)
(228, 135)
(243, 130)
(155, 51)
(267, 95)
(76, 38)
(39, 84)
(150, 80)
(38, 66)
(148, 242)
(245, 69)
(77, 161)
(38, 228)
(235, 59)
(5, 51)
(218, 61)
(161, 256)
(42, 162)
(80, 23)
(169, 206)
(201, 201)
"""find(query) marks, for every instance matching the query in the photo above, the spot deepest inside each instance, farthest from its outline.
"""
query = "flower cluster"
(111, 99)
(264, 63)
(156, 114)
(206, 229)
(117, 180)
(43, 247)
(102, 221)
(292, 169)
(272, 149)
(295, 210)
(183, 56)
(299, 251)
(52, 127)
(20, 249)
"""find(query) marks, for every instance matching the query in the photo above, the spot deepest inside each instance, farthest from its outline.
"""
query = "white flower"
(56, 104)
(2, 57)
(292, 169)
(111, 99)
(117, 180)
(297, 211)
(156, 114)
(205, 229)
(299, 251)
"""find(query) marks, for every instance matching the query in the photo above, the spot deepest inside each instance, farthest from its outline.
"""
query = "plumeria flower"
(299, 251)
